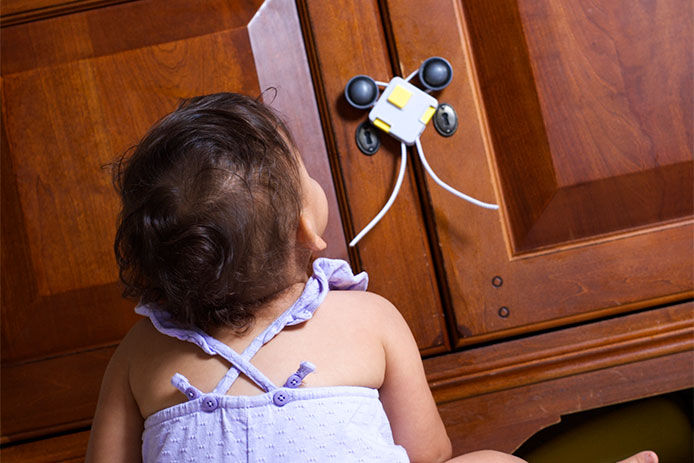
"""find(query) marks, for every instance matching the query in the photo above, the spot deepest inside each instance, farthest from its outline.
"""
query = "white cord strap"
(393, 195)
(447, 187)
(409, 78)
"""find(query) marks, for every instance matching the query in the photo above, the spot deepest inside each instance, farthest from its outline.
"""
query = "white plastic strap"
(393, 195)
(409, 78)
(445, 185)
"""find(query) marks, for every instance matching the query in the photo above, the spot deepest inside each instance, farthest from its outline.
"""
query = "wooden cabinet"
(78, 90)
(576, 117)
(583, 134)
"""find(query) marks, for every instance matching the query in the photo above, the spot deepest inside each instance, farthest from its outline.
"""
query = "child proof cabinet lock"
(403, 111)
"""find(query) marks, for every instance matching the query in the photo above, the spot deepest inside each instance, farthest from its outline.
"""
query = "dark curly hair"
(211, 199)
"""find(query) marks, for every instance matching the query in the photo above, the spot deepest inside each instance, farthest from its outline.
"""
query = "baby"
(242, 355)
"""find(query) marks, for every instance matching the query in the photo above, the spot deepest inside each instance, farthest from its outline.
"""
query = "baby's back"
(342, 340)
(335, 412)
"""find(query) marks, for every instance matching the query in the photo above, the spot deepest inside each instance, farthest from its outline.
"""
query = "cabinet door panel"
(77, 93)
(347, 40)
(582, 133)
(610, 115)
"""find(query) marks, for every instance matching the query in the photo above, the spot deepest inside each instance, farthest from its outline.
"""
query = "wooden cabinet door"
(577, 118)
(78, 90)
(344, 39)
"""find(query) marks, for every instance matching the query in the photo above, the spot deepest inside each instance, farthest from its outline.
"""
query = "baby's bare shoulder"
(141, 334)
(357, 301)
(153, 358)
(144, 345)
(360, 307)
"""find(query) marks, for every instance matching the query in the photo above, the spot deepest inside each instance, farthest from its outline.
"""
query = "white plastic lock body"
(403, 110)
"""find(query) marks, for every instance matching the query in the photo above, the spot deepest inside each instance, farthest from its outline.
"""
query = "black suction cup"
(435, 73)
(361, 91)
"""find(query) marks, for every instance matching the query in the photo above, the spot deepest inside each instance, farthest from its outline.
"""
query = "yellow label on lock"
(399, 96)
(382, 125)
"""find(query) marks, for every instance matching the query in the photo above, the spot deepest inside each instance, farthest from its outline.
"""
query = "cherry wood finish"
(69, 448)
(497, 396)
(346, 40)
(563, 353)
(628, 216)
(77, 93)
(608, 118)
(65, 116)
(617, 232)
(22, 11)
(51, 395)
(504, 420)
(564, 120)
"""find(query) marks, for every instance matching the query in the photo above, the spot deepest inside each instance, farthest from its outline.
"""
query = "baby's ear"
(306, 235)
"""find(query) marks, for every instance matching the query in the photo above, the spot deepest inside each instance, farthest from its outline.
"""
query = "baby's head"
(212, 204)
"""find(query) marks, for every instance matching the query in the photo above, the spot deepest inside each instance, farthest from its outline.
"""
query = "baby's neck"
(264, 316)
(269, 311)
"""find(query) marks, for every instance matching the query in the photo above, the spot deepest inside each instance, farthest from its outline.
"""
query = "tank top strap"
(163, 323)
(328, 274)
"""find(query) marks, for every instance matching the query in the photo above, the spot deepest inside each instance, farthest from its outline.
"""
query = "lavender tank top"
(284, 424)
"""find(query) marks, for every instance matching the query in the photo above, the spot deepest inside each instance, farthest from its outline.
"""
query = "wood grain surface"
(348, 41)
(575, 118)
(629, 231)
(77, 94)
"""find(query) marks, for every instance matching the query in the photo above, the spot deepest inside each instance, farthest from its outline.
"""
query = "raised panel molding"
(474, 424)
(597, 313)
(86, 92)
(51, 396)
(613, 245)
(562, 353)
